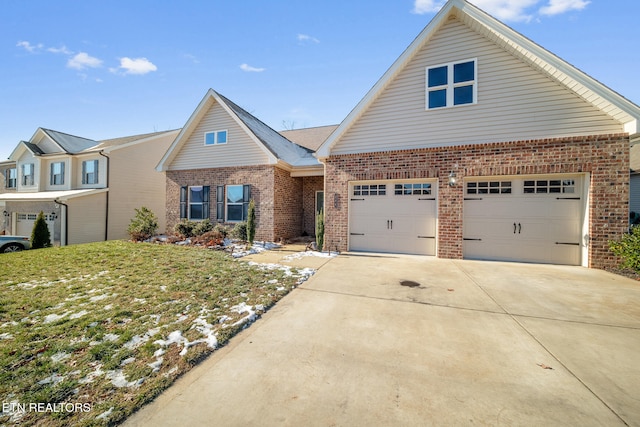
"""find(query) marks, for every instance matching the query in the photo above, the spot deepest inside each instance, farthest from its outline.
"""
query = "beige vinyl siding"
(87, 216)
(134, 182)
(515, 102)
(25, 158)
(77, 171)
(240, 149)
(47, 145)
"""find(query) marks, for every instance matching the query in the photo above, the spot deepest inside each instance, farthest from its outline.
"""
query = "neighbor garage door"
(393, 216)
(25, 221)
(530, 219)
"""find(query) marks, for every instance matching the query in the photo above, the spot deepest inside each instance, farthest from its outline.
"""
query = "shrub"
(320, 229)
(184, 228)
(628, 248)
(202, 227)
(240, 231)
(143, 225)
(40, 235)
(251, 222)
(222, 229)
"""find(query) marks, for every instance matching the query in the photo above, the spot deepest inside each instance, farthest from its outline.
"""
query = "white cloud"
(62, 50)
(248, 68)
(507, 10)
(136, 66)
(427, 6)
(303, 38)
(83, 60)
(29, 47)
(556, 7)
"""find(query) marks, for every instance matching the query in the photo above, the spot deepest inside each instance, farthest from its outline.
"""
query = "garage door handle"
(568, 243)
(519, 228)
(387, 224)
(514, 228)
(356, 234)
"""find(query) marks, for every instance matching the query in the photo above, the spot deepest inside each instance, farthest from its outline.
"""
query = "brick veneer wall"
(287, 208)
(261, 179)
(606, 157)
(310, 185)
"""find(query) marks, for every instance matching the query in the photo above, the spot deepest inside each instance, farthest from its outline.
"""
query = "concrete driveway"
(458, 343)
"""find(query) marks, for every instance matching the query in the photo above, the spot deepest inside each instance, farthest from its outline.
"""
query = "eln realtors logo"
(23, 408)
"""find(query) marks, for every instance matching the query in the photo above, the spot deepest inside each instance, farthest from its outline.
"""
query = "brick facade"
(278, 197)
(605, 157)
(310, 185)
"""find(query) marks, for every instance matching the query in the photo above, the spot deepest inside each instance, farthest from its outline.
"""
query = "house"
(223, 157)
(478, 143)
(634, 184)
(87, 189)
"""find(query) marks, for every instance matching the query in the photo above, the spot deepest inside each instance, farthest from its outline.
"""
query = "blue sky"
(107, 69)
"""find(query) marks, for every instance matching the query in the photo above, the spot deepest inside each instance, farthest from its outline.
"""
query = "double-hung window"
(194, 202)
(90, 172)
(215, 138)
(232, 203)
(28, 174)
(11, 178)
(452, 84)
(56, 176)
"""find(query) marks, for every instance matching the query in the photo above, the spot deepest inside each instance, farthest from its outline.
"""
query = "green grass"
(89, 324)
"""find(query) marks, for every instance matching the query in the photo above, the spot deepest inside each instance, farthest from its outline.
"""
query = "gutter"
(66, 221)
(106, 215)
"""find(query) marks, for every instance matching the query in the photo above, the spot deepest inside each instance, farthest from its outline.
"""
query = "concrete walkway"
(389, 340)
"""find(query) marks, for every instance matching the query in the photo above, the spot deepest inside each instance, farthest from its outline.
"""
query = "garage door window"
(489, 187)
(412, 189)
(565, 186)
(370, 190)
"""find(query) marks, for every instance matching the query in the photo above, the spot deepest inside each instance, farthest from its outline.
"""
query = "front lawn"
(102, 328)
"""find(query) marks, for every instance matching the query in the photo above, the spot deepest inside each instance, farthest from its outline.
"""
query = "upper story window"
(90, 172)
(11, 178)
(214, 138)
(452, 84)
(56, 176)
(28, 174)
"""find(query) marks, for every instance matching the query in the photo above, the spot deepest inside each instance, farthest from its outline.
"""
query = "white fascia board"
(171, 153)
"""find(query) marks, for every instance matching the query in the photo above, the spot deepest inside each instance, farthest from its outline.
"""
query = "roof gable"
(274, 146)
(547, 64)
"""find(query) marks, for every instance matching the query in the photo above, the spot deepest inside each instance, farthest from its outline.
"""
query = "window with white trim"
(90, 172)
(28, 174)
(452, 84)
(235, 203)
(370, 190)
(545, 186)
(489, 187)
(56, 177)
(11, 178)
(215, 138)
(412, 189)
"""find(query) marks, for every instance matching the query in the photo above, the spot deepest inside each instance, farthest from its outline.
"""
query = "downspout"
(106, 216)
(66, 221)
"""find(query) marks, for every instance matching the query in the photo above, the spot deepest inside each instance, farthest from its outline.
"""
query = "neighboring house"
(224, 157)
(87, 189)
(478, 143)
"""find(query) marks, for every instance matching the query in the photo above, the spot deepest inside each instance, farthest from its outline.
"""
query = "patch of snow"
(99, 297)
(111, 337)
(55, 317)
(79, 314)
(108, 307)
(138, 340)
(156, 365)
(140, 300)
(53, 379)
(60, 356)
(105, 414)
(118, 379)
(7, 324)
(223, 319)
(92, 375)
(300, 255)
(240, 250)
(244, 308)
(6, 336)
(127, 361)
(163, 288)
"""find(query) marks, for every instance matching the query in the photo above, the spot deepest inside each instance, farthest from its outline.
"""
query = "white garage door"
(393, 216)
(25, 221)
(530, 219)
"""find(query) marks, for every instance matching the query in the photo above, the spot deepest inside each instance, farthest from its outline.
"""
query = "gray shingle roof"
(280, 146)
